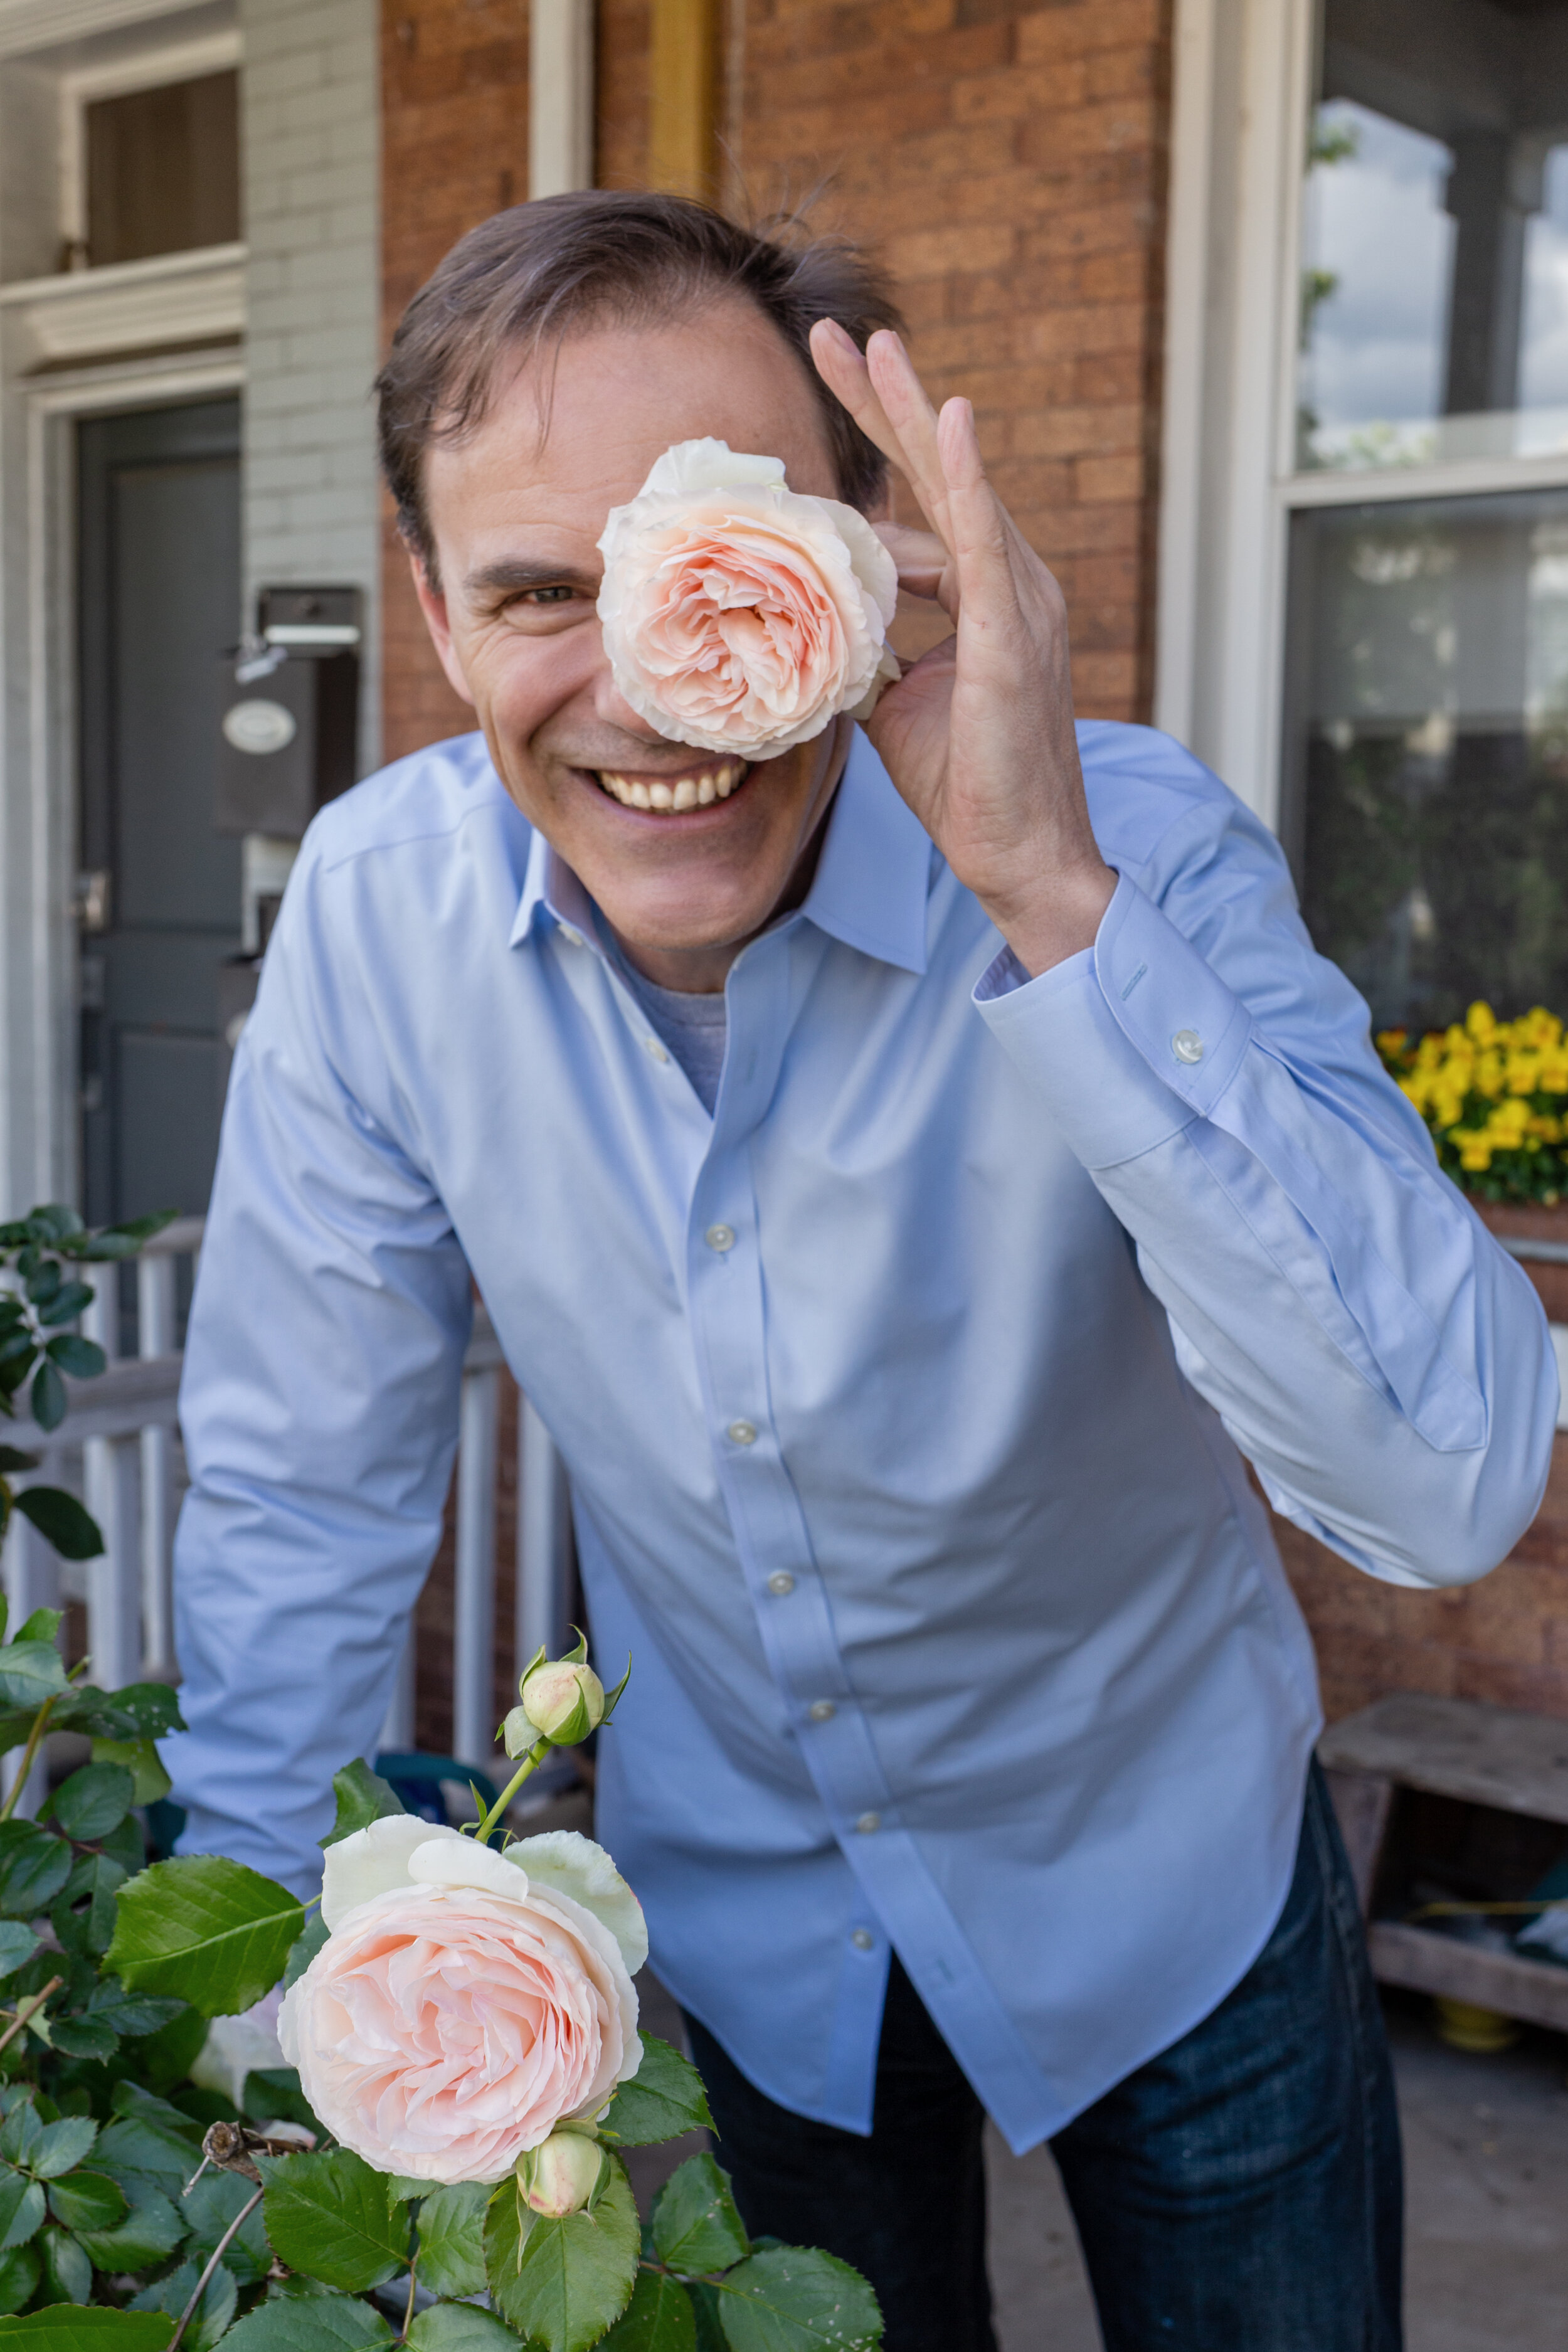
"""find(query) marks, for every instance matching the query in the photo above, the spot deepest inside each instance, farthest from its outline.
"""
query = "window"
(1426, 672)
(161, 169)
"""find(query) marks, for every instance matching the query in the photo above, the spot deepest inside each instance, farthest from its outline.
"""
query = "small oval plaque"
(259, 725)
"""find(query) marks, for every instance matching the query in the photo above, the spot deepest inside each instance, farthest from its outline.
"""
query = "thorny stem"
(26, 2009)
(40, 1725)
(213, 2261)
(531, 1763)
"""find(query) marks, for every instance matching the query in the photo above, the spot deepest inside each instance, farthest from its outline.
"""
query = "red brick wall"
(1009, 163)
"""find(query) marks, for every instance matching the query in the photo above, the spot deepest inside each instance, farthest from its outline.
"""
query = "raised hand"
(978, 735)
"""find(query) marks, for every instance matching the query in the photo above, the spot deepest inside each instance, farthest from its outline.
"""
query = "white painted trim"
(175, 298)
(50, 409)
(1241, 102)
(145, 68)
(559, 97)
(27, 24)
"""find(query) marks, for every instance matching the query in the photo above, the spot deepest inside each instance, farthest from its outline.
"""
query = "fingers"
(841, 365)
(920, 555)
(913, 420)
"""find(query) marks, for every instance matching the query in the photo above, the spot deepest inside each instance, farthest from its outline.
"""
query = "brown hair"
(525, 278)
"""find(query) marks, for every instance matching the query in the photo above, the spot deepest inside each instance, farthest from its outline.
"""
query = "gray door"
(159, 601)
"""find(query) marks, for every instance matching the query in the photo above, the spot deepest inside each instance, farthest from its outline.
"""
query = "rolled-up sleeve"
(319, 1409)
(1381, 1362)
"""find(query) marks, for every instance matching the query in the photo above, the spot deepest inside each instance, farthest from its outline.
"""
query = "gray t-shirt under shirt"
(693, 1027)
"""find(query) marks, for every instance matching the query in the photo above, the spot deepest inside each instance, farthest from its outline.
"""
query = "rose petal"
(371, 1861)
(564, 1861)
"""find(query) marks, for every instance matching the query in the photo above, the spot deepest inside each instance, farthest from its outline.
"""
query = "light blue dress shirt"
(904, 1399)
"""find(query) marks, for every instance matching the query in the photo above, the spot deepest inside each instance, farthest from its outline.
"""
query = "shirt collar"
(869, 889)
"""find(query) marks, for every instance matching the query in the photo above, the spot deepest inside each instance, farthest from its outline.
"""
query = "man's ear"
(433, 605)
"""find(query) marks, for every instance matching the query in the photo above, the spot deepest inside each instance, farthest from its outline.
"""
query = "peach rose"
(466, 2001)
(738, 614)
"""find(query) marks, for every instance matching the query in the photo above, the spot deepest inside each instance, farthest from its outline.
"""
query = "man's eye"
(559, 596)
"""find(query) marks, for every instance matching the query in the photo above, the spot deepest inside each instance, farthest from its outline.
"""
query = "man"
(902, 1185)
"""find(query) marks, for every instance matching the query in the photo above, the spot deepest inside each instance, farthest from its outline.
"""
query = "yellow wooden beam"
(683, 97)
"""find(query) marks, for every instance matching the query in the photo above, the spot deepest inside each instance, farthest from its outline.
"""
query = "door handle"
(92, 898)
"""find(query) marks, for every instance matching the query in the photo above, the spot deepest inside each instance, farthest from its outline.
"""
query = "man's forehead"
(571, 432)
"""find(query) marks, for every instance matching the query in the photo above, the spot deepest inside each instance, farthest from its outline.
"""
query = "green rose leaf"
(794, 2299)
(458, 2327)
(141, 2157)
(664, 2098)
(18, 2277)
(68, 2273)
(71, 1299)
(33, 1866)
(20, 2131)
(31, 1672)
(659, 2318)
(561, 2284)
(83, 2037)
(304, 1949)
(133, 2014)
(96, 2329)
(219, 2198)
(41, 1626)
(49, 1397)
(330, 2215)
(61, 2146)
(88, 2201)
(209, 1930)
(452, 2239)
(157, 2115)
(695, 2225)
(154, 1709)
(13, 1458)
(83, 1359)
(213, 2314)
(17, 1943)
(309, 2323)
(362, 1798)
(140, 1758)
(21, 2210)
(152, 2230)
(93, 1801)
(272, 2095)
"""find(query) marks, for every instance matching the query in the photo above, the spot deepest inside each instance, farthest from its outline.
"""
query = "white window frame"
(1241, 97)
(146, 68)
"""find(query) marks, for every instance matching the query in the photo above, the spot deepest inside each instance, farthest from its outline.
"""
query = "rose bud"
(565, 1701)
(560, 2177)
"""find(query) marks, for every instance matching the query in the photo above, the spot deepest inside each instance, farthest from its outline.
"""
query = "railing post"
(544, 1540)
(32, 1582)
(111, 1472)
(155, 1337)
(473, 1639)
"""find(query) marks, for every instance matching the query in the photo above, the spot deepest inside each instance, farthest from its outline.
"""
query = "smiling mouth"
(673, 795)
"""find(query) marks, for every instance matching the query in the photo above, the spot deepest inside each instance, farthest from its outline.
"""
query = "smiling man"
(909, 1175)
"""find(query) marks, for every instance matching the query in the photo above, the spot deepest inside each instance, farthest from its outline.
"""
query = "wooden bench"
(1457, 1749)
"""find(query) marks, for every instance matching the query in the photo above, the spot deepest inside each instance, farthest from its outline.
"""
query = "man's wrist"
(1058, 920)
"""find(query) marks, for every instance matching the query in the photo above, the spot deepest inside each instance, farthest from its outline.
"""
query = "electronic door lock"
(92, 898)
(289, 713)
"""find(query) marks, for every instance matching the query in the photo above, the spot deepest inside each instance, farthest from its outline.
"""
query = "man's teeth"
(681, 793)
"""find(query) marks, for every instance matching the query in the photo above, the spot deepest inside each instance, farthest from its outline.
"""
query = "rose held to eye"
(466, 2002)
(740, 616)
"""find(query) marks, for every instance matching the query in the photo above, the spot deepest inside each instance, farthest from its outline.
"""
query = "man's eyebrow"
(511, 574)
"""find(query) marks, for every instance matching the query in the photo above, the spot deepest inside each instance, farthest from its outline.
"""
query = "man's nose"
(611, 705)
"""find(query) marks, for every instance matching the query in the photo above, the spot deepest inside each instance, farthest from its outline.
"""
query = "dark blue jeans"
(1239, 2193)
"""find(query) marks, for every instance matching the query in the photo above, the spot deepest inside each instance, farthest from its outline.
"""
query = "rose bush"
(740, 616)
(441, 2168)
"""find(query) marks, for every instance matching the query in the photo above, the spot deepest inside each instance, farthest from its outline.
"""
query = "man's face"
(515, 513)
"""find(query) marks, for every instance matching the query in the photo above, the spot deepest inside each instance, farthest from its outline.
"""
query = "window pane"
(1428, 749)
(1434, 246)
(162, 169)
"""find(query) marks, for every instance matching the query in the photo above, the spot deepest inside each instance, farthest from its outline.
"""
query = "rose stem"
(26, 2009)
(40, 1725)
(408, 2313)
(213, 2259)
(531, 1763)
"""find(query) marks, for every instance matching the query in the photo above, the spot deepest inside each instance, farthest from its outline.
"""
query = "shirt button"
(1187, 1046)
(719, 1238)
(742, 1432)
(781, 1581)
(821, 1710)
(652, 1045)
(863, 1941)
(571, 934)
(867, 1823)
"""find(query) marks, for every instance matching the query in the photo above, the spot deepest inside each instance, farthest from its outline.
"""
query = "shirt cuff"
(1129, 1040)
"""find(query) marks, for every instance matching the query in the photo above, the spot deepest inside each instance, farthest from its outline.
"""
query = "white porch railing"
(119, 1447)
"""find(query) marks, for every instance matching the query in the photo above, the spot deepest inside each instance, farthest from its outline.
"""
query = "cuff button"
(1187, 1046)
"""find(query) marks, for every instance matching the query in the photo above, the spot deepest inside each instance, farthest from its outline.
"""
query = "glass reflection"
(1435, 255)
(1428, 749)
